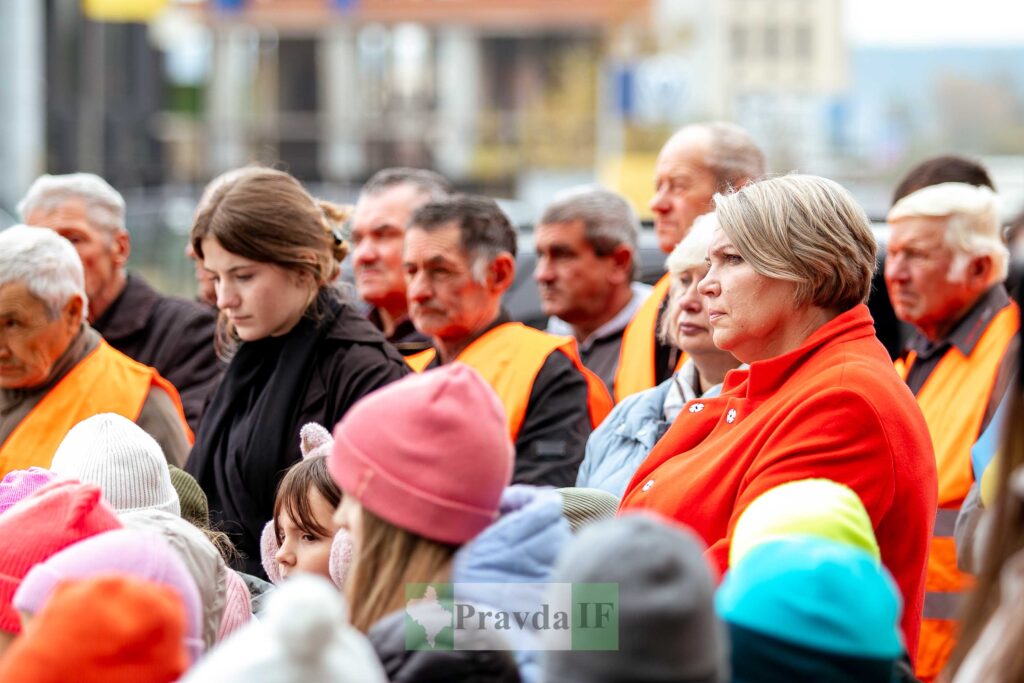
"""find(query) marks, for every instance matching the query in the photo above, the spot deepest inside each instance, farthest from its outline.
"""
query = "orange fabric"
(636, 370)
(105, 381)
(106, 629)
(509, 357)
(832, 408)
(954, 399)
(420, 360)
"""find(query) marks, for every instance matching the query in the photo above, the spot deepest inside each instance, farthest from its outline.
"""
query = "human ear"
(502, 272)
(72, 313)
(121, 247)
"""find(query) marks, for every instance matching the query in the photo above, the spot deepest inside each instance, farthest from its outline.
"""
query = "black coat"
(173, 335)
(250, 432)
(403, 665)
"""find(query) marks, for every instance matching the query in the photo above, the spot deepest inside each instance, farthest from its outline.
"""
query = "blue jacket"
(519, 552)
(620, 443)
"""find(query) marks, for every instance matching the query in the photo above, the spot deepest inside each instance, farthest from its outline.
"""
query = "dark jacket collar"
(130, 312)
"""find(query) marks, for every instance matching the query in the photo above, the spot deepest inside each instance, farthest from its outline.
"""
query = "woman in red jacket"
(790, 269)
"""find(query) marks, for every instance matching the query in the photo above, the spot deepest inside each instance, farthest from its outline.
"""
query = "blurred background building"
(516, 98)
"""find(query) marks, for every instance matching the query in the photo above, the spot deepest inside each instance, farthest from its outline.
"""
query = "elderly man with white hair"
(945, 268)
(55, 370)
(173, 335)
(696, 162)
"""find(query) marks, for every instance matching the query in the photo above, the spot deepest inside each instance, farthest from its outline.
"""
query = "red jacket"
(833, 408)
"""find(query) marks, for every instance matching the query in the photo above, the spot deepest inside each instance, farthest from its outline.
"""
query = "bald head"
(696, 162)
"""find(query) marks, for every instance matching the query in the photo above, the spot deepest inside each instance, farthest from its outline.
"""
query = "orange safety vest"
(105, 381)
(509, 357)
(954, 399)
(636, 370)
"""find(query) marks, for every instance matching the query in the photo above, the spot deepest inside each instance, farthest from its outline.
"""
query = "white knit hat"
(304, 635)
(123, 460)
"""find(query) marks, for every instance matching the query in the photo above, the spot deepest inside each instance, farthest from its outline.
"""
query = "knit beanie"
(806, 608)
(583, 506)
(809, 507)
(339, 562)
(429, 453)
(201, 557)
(55, 516)
(122, 459)
(144, 555)
(667, 625)
(19, 484)
(304, 635)
(105, 629)
(195, 509)
(237, 604)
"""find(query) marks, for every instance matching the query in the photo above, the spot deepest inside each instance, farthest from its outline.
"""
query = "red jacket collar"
(764, 377)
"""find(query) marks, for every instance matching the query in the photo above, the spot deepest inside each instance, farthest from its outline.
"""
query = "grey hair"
(104, 205)
(429, 183)
(608, 219)
(691, 252)
(485, 231)
(45, 263)
(972, 223)
(733, 156)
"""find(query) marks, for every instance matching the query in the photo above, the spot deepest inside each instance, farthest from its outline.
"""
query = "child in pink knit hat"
(303, 536)
(423, 463)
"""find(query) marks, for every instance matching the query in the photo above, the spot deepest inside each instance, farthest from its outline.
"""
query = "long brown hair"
(387, 560)
(1005, 538)
(267, 216)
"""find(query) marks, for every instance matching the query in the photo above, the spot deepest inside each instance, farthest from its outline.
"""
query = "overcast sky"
(935, 22)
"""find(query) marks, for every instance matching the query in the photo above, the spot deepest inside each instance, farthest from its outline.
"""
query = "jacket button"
(696, 407)
(647, 486)
(730, 417)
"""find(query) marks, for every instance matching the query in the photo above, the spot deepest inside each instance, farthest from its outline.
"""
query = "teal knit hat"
(821, 595)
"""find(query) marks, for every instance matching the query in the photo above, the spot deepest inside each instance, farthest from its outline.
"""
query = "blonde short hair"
(972, 221)
(807, 230)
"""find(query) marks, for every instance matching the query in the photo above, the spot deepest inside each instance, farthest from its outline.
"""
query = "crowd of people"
(797, 455)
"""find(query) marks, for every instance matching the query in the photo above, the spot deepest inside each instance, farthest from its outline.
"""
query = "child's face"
(302, 550)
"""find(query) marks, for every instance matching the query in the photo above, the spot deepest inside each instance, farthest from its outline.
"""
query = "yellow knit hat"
(811, 507)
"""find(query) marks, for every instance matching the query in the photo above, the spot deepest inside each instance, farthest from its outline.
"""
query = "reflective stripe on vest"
(636, 371)
(509, 358)
(105, 381)
(953, 400)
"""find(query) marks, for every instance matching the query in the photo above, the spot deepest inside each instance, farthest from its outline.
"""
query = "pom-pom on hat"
(304, 635)
(429, 453)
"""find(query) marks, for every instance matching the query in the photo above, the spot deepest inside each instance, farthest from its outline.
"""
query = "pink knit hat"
(429, 453)
(59, 514)
(142, 554)
(18, 484)
(237, 606)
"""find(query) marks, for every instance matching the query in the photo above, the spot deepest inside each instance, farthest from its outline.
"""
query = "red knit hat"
(429, 453)
(107, 629)
(57, 515)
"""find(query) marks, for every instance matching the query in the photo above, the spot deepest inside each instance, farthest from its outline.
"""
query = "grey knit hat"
(117, 455)
(668, 630)
(582, 506)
